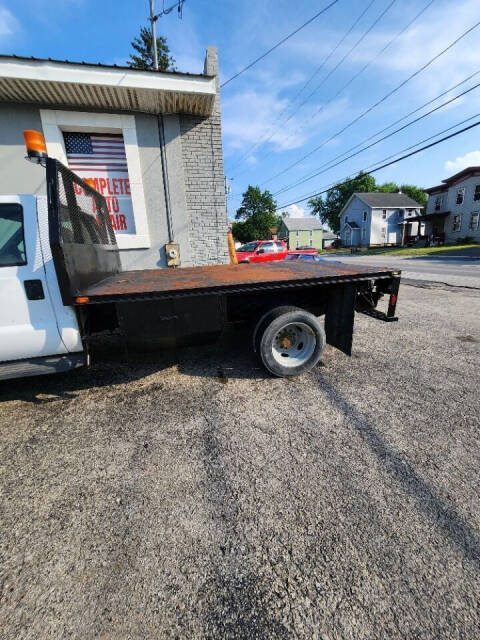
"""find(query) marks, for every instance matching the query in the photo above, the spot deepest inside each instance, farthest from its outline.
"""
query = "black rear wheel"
(289, 341)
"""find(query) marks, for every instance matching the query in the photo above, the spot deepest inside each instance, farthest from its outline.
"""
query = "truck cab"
(38, 334)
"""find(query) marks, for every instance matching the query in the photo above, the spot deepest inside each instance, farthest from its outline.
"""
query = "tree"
(329, 207)
(256, 215)
(143, 58)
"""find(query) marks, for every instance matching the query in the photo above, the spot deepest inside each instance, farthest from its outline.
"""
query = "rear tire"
(289, 341)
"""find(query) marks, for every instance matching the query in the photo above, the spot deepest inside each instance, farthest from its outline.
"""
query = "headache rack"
(81, 235)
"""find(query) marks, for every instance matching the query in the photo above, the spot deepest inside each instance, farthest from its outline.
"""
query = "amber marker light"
(90, 182)
(36, 146)
(82, 300)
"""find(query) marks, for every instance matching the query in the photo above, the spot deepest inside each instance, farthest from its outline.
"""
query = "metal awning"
(426, 217)
(102, 87)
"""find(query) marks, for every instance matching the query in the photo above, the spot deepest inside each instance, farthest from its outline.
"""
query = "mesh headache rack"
(81, 235)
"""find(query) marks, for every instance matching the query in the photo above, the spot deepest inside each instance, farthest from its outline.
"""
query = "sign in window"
(101, 157)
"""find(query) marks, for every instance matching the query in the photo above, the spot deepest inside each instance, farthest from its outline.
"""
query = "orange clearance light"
(82, 300)
(90, 182)
(36, 146)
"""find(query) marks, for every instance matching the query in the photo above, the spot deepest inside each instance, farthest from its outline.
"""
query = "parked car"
(262, 251)
(297, 255)
(305, 248)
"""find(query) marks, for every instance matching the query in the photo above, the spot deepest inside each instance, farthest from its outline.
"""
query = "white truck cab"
(38, 334)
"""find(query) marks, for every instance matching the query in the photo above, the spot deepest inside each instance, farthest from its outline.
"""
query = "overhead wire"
(407, 115)
(390, 163)
(353, 78)
(376, 104)
(329, 166)
(279, 43)
(310, 79)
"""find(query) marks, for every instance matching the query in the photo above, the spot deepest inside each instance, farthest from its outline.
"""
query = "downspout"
(163, 155)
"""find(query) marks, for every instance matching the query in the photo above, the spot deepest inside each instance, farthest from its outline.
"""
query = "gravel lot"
(191, 496)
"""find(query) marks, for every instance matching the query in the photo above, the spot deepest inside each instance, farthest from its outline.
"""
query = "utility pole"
(153, 19)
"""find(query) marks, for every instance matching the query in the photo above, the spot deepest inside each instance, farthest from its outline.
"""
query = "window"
(384, 232)
(460, 195)
(438, 203)
(473, 222)
(476, 195)
(311, 234)
(296, 233)
(364, 216)
(364, 234)
(384, 214)
(280, 246)
(457, 223)
(268, 247)
(346, 219)
(311, 241)
(12, 239)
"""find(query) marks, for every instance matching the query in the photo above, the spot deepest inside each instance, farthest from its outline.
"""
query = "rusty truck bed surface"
(187, 281)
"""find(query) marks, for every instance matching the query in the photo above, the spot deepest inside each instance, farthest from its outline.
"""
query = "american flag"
(103, 152)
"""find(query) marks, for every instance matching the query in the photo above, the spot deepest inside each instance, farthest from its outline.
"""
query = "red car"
(266, 251)
(262, 251)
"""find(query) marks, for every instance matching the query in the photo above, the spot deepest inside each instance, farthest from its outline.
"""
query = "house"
(370, 219)
(301, 232)
(328, 239)
(453, 208)
(151, 141)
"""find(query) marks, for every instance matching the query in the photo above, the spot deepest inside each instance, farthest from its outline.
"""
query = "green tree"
(142, 57)
(329, 207)
(416, 193)
(256, 215)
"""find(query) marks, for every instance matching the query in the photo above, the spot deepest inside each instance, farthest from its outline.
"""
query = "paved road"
(451, 271)
(192, 496)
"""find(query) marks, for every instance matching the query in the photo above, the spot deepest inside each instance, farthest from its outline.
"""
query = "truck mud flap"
(340, 316)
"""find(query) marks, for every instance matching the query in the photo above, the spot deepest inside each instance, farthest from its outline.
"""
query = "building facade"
(301, 232)
(453, 208)
(150, 140)
(378, 219)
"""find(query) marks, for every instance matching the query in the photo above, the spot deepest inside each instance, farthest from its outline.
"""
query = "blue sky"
(256, 105)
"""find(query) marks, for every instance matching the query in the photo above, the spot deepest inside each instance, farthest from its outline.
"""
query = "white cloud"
(257, 116)
(295, 211)
(472, 158)
(9, 25)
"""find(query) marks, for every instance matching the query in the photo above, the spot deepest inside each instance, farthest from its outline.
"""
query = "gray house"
(453, 208)
(151, 141)
(376, 219)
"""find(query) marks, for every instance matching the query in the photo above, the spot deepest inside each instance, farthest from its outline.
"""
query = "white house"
(453, 208)
(370, 219)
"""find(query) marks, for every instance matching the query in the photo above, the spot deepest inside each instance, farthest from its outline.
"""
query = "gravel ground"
(190, 495)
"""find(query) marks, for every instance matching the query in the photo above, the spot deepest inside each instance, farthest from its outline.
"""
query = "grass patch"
(407, 251)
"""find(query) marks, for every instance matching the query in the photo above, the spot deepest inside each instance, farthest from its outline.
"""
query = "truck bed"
(195, 281)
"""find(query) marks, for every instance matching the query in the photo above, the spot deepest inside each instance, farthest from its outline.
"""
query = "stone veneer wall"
(204, 179)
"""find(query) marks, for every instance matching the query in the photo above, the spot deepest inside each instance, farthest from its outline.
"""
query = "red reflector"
(393, 299)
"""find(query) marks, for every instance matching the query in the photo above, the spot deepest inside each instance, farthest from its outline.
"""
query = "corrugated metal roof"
(100, 65)
(302, 224)
(104, 87)
(380, 199)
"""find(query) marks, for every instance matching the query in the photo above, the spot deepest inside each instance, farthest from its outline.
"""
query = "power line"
(249, 66)
(392, 155)
(321, 169)
(315, 73)
(387, 164)
(378, 133)
(354, 77)
(376, 104)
